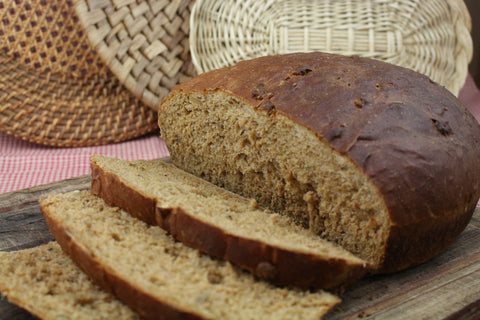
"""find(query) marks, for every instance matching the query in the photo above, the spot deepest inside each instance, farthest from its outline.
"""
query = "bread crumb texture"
(152, 262)
(243, 217)
(45, 282)
(285, 167)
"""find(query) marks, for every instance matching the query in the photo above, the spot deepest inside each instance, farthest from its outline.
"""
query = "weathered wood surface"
(447, 287)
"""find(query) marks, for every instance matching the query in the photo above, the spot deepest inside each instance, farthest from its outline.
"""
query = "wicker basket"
(143, 42)
(54, 89)
(429, 36)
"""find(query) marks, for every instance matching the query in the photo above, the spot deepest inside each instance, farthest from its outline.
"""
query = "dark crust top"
(276, 265)
(414, 140)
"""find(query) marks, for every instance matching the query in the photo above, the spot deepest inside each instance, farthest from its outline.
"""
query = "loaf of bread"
(372, 156)
(161, 278)
(45, 282)
(223, 224)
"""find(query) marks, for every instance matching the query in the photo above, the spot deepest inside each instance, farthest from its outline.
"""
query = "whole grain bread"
(223, 224)
(372, 156)
(161, 278)
(45, 282)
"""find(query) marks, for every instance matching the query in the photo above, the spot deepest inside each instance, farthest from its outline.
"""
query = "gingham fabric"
(24, 165)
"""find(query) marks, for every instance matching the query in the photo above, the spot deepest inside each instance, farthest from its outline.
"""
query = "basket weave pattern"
(46, 37)
(144, 43)
(54, 88)
(47, 109)
(429, 36)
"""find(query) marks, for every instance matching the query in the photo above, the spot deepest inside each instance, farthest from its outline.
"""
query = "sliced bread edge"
(266, 260)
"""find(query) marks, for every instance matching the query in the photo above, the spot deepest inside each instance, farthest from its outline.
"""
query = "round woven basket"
(429, 36)
(54, 89)
(143, 42)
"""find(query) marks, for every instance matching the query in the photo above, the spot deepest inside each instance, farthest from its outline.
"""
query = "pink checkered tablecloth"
(24, 165)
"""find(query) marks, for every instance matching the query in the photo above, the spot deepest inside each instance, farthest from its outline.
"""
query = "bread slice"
(372, 156)
(223, 224)
(45, 282)
(161, 278)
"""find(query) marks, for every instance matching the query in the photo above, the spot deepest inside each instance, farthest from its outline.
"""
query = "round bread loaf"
(376, 157)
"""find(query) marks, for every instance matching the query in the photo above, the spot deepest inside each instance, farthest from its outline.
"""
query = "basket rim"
(58, 111)
(462, 51)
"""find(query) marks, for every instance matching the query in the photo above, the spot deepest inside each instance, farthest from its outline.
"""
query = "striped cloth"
(24, 165)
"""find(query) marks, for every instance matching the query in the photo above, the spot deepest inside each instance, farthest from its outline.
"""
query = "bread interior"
(150, 263)
(217, 207)
(45, 282)
(283, 165)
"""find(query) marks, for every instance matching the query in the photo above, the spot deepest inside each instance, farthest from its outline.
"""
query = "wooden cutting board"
(446, 287)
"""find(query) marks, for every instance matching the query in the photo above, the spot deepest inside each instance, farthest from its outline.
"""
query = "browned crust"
(413, 139)
(432, 237)
(146, 305)
(117, 194)
(277, 265)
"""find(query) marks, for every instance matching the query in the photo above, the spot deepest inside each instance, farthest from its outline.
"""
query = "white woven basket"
(429, 36)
